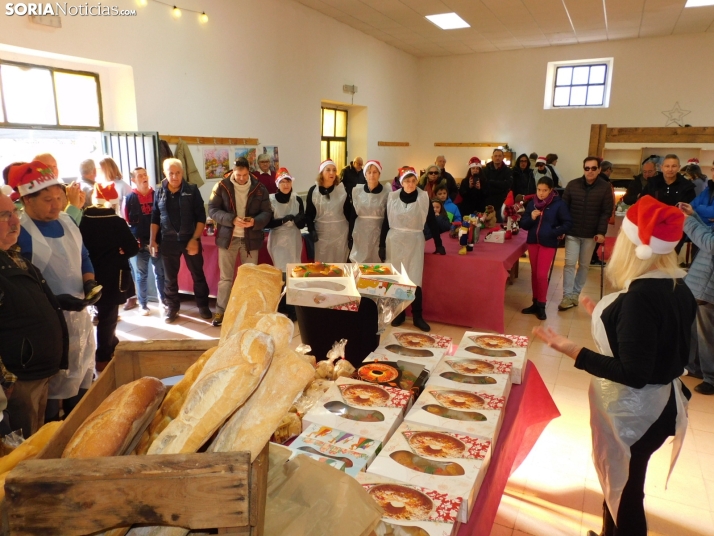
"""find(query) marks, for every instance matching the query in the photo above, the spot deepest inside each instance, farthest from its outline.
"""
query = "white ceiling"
(513, 24)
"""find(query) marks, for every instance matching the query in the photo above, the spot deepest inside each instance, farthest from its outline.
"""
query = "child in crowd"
(442, 220)
(441, 193)
(546, 218)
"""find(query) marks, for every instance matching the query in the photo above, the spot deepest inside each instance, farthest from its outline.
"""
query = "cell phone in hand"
(92, 293)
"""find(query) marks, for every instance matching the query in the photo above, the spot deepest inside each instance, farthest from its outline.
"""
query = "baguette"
(171, 405)
(118, 421)
(227, 380)
(277, 325)
(256, 289)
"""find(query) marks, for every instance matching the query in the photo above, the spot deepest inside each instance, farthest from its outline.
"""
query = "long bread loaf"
(227, 380)
(171, 405)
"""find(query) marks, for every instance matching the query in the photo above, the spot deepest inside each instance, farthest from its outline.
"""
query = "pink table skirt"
(210, 265)
(529, 410)
(469, 290)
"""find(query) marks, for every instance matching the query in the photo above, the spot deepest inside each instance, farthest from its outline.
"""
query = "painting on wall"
(216, 162)
(247, 152)
(272, 152)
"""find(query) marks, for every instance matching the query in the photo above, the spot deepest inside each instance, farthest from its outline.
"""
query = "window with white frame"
(580, 84)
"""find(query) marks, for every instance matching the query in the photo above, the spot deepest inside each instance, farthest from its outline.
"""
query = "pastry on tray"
(375, 269)
(317, 269)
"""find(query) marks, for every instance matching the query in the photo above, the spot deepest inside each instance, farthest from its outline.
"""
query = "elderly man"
(639, 182)
(180, 216)
(670, 187)
(265, 176)
(29, 313)
(240, 206)
(353, 174)
(605, 170)
(50, 239)
(75, 198)
(88, 174)
(497, 182)
(590, 201)
(451, 185)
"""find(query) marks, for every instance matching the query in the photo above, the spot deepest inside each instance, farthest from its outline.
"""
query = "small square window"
(584, 83)
(565, 76)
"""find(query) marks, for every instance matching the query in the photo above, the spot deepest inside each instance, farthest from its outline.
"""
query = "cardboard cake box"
(418, 509)
(400, 374)
(360, 408)
(395, 284)
(355, 452)
(417, 340)
(511, 348)
(436, 459)
(427, 357)
(323, 292)
(474, 413)
(474, 375)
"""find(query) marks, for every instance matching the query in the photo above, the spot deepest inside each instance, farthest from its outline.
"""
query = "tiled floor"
(555, 492)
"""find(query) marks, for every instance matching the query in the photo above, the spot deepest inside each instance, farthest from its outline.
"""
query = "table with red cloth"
(469, 290)
(529, 410)
(210, 265)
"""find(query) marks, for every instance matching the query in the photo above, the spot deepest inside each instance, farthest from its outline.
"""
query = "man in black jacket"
(180, 216)
(670, 188)
(639, 182)
(451, 185)
(498, 181)
(589, 199)
(240, 206)
(34, 343)
(353, 174)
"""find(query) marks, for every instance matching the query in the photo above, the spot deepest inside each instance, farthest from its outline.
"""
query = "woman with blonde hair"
(327, 215)
(430, 180)
(113, 175)
(642, 334)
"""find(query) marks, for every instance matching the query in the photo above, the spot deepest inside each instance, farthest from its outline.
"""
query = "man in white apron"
(642, 335)
(50, 239)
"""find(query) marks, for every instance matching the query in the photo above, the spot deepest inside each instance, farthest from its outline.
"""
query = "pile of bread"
(232, 399)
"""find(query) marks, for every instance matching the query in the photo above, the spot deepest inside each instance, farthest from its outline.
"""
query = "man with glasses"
(638, 184)
(498, 181)
(451, 185)
(589, 199)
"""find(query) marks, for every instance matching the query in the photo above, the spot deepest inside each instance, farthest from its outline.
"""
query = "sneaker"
(131, 303)
(171, 315)
(145, 311)
(217, 319)
(205, 313)
(567, 303)
(420, 323)
(705, 388)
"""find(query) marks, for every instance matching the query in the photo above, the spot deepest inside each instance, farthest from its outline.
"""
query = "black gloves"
(313, 235)
(300, 221)
(288, 218)
(92, 292)
(382, 254)
(67, 302)
(440, 250)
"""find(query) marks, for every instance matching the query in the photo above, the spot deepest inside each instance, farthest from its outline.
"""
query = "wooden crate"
(201, 491)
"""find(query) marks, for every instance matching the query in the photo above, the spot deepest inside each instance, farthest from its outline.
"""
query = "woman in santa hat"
(642, 334)
(369, 206)
(408, 209)
(327, 213)
(472, 199)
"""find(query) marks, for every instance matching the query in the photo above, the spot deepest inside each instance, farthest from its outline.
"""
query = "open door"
(134, 149)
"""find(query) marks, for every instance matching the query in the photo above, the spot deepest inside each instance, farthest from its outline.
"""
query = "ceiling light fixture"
(176, 12)
(448, 21)
(699, 3)
(203, 17)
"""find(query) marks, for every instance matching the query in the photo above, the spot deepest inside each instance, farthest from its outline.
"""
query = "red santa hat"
(106, 192)
(653, 227)
(405, 172)
(694, 161)
(375, 163)
(281, 174)
(474, 162)
(31, 178)
(541, 160)
(326, 163)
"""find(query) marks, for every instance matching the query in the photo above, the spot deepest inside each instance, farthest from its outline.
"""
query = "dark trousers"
(631, 515)
(108, 316)
(27, 404)
(171, 254)
(416, 306)
(52, 411)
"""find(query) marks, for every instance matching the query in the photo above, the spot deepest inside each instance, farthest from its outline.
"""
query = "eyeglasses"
(594, 168)
(433, 173)
(6, 215)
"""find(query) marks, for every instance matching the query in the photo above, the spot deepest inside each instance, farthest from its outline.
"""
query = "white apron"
(405, 240)
(620, 415)
(60, 261)
(331, 225)
(285, 242)
(370, 210)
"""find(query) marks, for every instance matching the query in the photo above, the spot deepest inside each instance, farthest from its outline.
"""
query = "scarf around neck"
(540, 204)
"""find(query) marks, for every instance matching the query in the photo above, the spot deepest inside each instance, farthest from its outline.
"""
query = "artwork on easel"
(216, 162)
(272, 152)
(247, 152)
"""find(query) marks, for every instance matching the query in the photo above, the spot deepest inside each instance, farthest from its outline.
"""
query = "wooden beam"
(393, 144)
(203, 140)
(596, 147)
(660, 135)
(474, 144)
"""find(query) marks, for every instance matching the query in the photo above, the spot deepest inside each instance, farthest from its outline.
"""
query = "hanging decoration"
(177, 11)
(676, 115)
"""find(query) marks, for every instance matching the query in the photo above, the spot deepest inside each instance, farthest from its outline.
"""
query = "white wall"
(499, 97)
(258, 68)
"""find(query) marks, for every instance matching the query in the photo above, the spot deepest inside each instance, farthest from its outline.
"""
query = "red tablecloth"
(210, 265)
(469, 290)
(529, 410)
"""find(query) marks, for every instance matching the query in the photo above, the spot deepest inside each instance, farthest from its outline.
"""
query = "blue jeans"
(580, 251)
(701, 355)
(142, 267)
